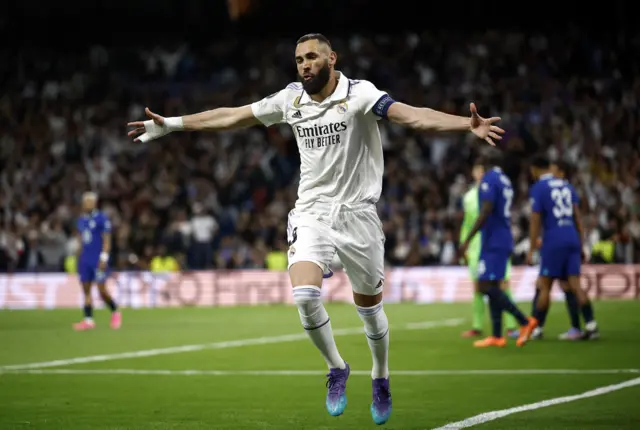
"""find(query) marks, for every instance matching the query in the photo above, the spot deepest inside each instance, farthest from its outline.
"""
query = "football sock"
(502, 300)
(316, 322)
(496, 317)
(587, 312)
(572, 307)
(376, 328)
(510, 321)
(110, 303)
(88, 312)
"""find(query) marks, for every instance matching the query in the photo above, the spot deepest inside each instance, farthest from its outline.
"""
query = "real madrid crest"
(342, 108)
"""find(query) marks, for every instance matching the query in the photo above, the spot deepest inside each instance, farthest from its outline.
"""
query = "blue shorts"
(493, 264)
(90, 273)
(560, 263)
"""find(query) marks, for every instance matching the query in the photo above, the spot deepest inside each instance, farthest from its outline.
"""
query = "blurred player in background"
(94, 229)
(561, 169)
(555, 212)
(494, 224)
(334, 120)
(471, 206)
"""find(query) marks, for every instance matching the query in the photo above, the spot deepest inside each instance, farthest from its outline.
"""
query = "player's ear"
(333, 58)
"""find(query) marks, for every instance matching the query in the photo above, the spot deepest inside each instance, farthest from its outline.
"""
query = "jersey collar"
(341, 92)
(546, 176)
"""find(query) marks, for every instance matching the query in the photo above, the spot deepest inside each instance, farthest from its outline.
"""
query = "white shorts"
(355, 234)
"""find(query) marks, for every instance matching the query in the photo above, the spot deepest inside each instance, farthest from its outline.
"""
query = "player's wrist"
(104, 257)
(174, 123)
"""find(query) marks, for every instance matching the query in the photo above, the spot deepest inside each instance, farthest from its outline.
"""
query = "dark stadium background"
(48, 41)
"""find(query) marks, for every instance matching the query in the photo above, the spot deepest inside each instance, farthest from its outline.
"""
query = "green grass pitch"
(440, 378)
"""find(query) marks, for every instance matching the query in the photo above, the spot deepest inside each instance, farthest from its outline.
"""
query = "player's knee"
(86, 288)
(308, 299)
(376, 324)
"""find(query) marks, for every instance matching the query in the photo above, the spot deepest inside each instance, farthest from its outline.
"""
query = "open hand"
(483, 127)
(150, 129)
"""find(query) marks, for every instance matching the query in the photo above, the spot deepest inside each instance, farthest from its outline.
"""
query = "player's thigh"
(361, 251)
(573, 264)
(86, 273)
(492, 265)
(310, 250)
(553, 263)
(101, 278)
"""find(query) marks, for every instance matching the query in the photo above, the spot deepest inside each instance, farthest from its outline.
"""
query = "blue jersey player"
(94, 229)
(494, 222)
(555, 211)
(562, 170)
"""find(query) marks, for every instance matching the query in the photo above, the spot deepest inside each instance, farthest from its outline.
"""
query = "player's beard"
(318, 82)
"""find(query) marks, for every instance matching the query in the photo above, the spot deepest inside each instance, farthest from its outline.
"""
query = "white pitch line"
(218, 345)
(494, 415)
(317, 372)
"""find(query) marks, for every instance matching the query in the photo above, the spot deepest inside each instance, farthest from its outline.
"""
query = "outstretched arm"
(267, 111)
(210, 120)
(433, 120)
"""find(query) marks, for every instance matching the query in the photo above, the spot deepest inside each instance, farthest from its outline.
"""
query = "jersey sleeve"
(534, 198)
(79, 225)
(374, 100)
(270, 110)
(488, 190)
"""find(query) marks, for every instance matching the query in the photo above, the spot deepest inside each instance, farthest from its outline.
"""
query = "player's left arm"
(384, 106)
(485, 212)
(577, 219)
(488, 196)
(535, 222)
(426, 119)
(106, 243)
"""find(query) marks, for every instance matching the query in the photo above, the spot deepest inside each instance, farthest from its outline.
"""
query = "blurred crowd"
(221, 200)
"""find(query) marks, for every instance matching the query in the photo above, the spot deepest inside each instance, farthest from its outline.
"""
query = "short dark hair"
(540, 161)
(490, 157)
(314, 36)
(564, 167)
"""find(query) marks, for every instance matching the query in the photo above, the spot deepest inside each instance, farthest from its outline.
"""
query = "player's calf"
(316, 322)
(573, 309)
(376, 328)
(542, 299)
(116, 316)
(87, 322)
(498, 302)
(591, 326)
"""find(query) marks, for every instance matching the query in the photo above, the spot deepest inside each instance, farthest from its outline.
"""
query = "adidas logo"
(297, 114)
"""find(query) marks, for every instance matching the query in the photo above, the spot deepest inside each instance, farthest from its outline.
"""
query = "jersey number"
(563, 205)
(294, 236)
(507, 193)
(86, 236)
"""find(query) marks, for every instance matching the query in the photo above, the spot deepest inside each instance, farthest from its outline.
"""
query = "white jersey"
(339, 142)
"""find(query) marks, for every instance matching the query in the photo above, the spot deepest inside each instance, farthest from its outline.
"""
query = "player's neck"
(328, 89)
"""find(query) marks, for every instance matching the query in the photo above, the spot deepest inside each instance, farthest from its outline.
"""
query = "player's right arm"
(487, 193)
(535, 221)
(577, 218)
(78, 234)
(266, 111)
